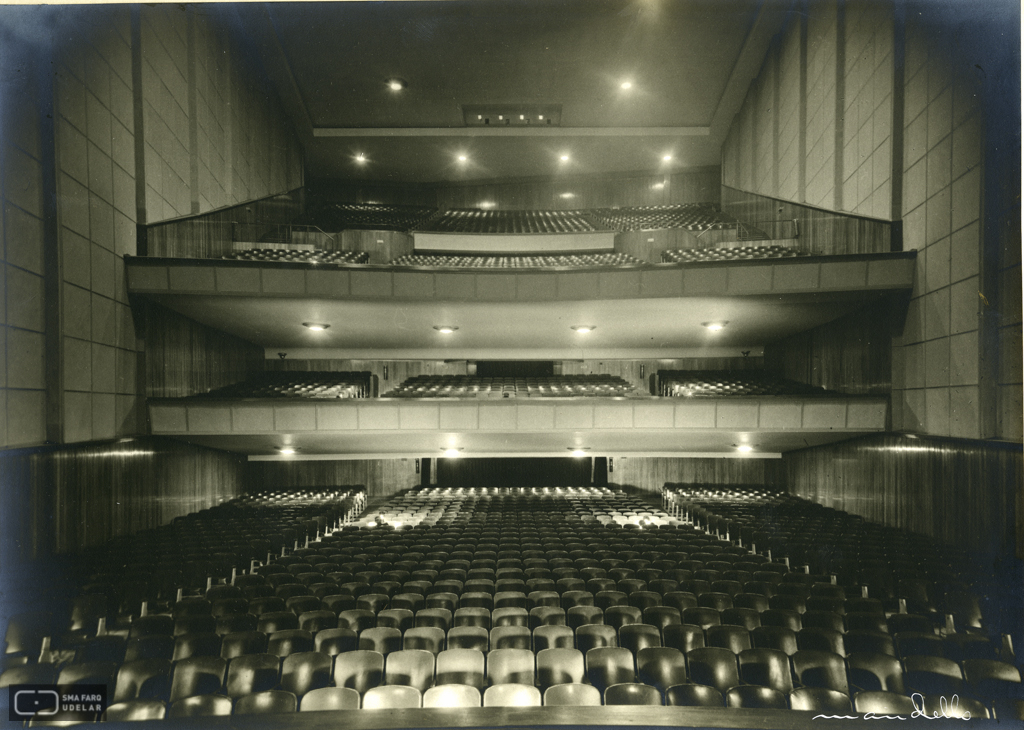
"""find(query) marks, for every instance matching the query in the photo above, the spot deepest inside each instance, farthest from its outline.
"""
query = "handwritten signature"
(949, 709)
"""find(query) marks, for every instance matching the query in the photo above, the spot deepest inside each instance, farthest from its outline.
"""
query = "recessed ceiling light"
(452, 452)
(567, 196)
(316, 326)
(579, 450)
(564, 158)
(626, 85)
(714, 326)
(445, 329)
(743, 448)
(360, 158)
(486, 204)
(286, 450)
(658, 186)
(582, 329)
(666, 158)
(462, 158)
(396, 84)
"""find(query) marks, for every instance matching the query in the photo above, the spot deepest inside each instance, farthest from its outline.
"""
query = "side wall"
(908, 115)
(381, 477)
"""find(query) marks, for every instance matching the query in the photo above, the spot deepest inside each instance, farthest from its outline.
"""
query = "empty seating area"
(583, 260)
(299, 256)
(728, 253)
(471, 386)
(721, 383)
(689, 216)
(368, 216)
(490, 597)
(322, 385)
(473, 220)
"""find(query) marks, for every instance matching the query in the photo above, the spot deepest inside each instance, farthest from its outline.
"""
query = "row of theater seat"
(300, 256)
(474, 220)
(729, 253)
(582, 260)
(688, 216)
(724, 383)
(323, 385)
(472, 386)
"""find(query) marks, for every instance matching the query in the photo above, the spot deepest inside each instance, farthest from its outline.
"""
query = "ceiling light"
(582, 329)
(626, 85)
(396, 84)
(564, 158)
(567, 195)
(714, 326)
(286, 451)
(579, 450)
(462, 158)
(360, 158)
(316, 326)
(658, 186)
(486, 204)
(445, 329)
(452, 453)
(666, 158)
(743, 448)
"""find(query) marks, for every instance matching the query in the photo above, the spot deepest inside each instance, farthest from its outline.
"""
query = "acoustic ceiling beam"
(511, 131)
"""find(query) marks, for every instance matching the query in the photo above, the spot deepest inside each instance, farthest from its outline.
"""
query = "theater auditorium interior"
(512, 363)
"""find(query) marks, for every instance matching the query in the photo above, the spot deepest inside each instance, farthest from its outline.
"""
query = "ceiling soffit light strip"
(583, 329)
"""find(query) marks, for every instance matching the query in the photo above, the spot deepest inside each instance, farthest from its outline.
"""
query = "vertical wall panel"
(960, 492)
(650, 473)
(381, 477)
(68, 499)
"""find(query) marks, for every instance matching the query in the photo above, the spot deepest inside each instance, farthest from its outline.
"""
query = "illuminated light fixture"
(445, 329)
(361, 158)
(564, 158)
(567, 196)
(666, 158)
(626, 85)
(462, 158)
(743, 448)
(286, 451)
(582, 329)
(714, 326)
(486, 204)
(315, 326)
(396, 84)
(452, 453)
(658, 186)
(579, 450)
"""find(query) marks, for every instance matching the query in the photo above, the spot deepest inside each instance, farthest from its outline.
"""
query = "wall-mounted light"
(583, 329)
(714, 326)
(452, 452)
(445, 329)
(743, 448)
(579, 451)
(287, 451)
(396, 84)
(360, 159)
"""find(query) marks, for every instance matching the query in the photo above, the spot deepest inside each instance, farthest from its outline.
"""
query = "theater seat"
(359, 670)
(460, 666)
(609, 665)
(265, 703)
(572, 695)
(306, 671)
(252, 673)
(694, 695)
(452, 695)
(392, 697)
(756, 697)
(135, 710)
(512, 695)
(200, 706)
(661, 667)
(820, 700)
(883, 703)
(329, 698)
(632, 694)
(559, 666)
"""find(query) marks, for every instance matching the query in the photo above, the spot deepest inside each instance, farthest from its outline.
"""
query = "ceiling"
(658, 327)
(689, 63)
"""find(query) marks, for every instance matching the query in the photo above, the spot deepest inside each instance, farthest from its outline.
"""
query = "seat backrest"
(460, 666)
(335, 641)
(560, 666)
(510, 616)
(874, 672)
(510, 666)
(731, 637)
(883, 703)
(553, 636)
(469, 637)
(452, 695)
(289, 641)
(145, 678)
(609, 665)
(661, 667)
(822, 669)
(427, 638)
(330, 698)
(383, 640)
(306, 671)
(392, 697)
(200, 706)
(262, 703)
(359, 670)
(632, 694)
(252, 673)
(410, 668)
(133, 710)
(820, 699)
(757, 697)
(766, 668)
(512, 695)
(713, 666)
(595, 636)
(511, 637)
(572, 695)
(694, 695)
(196, 676)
